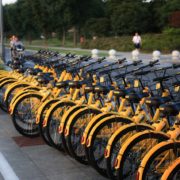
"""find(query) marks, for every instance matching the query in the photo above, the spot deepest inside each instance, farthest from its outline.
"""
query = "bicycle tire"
(6, 78)
(91, 124)
(72, 130)
(115, 147)
(2, 92)
(58, 144)
(17, 119)
(41, 119)
(66, 117)
(127, 149)
(26, 90)
(173, 171)
(8, 98)
(95, 160)
(154, 152)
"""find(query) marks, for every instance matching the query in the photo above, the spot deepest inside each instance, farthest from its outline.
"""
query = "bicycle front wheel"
(54, 120)
(158, 159)
(76, 130)
(24, 115)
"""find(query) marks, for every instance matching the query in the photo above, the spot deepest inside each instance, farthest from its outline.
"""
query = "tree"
(128, 17)
(97, 27)
(166, 11)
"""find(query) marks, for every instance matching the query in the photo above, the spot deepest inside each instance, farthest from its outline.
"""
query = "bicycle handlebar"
(135, 63)
(151, 64)
(120, 61)
(176, 66)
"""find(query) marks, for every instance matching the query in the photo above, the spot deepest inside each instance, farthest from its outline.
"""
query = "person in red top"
(81, 39)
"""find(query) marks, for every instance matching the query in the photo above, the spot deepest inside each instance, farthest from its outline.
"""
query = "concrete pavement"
(128, 55)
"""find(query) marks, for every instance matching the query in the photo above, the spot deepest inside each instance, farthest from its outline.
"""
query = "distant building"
(175, 19)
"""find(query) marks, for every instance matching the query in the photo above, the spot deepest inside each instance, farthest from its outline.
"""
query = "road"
(128, 55)
(32, 159)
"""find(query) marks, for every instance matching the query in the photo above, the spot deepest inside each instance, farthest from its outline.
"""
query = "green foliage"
(171, 31)
(127, 18)
(1, 65)
(97, 27)
(123, 43)
(31, 18)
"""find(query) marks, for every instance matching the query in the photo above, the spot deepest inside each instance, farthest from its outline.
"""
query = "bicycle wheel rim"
(53, 134)
(171, 146)
(26, 127)
(115, 148)
(96, 152)
(133, 157)
(75, 147)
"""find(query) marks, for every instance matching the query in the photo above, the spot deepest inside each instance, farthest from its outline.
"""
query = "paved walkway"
(37, 162)
(128, 55)
(165, 58)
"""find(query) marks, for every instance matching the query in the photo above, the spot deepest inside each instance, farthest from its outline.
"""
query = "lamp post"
(1, 32)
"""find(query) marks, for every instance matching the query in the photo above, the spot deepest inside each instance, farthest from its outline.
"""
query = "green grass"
(163, 42)
(1, 65)
(50, 42)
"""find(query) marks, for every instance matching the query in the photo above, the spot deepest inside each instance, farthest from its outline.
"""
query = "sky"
(12, 1)
(8, 1)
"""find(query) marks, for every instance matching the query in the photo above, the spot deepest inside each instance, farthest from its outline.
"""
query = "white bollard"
(95, 53)
(156, 55)
(175, 55)
(135, 55)
(112, 54)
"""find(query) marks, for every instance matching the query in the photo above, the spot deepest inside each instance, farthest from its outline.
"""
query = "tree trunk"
(29, 39)
(75, 37)
(64, 37)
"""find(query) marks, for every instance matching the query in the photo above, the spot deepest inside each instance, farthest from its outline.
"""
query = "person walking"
(82, 39)
(137, 41)
(13, 40)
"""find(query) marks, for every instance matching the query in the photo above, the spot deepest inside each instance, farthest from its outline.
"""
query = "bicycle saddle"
(122, 92)
(62, 84)
(101, 89)
(89, 89)
(160, 79)
(136, 97)
(20, 70)
(142, 73)
(48, 74)
(59, 65)
(170, 109)
(34, 71)
(76, 84)
(157, 101)
(177, 83)
(41, 79)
